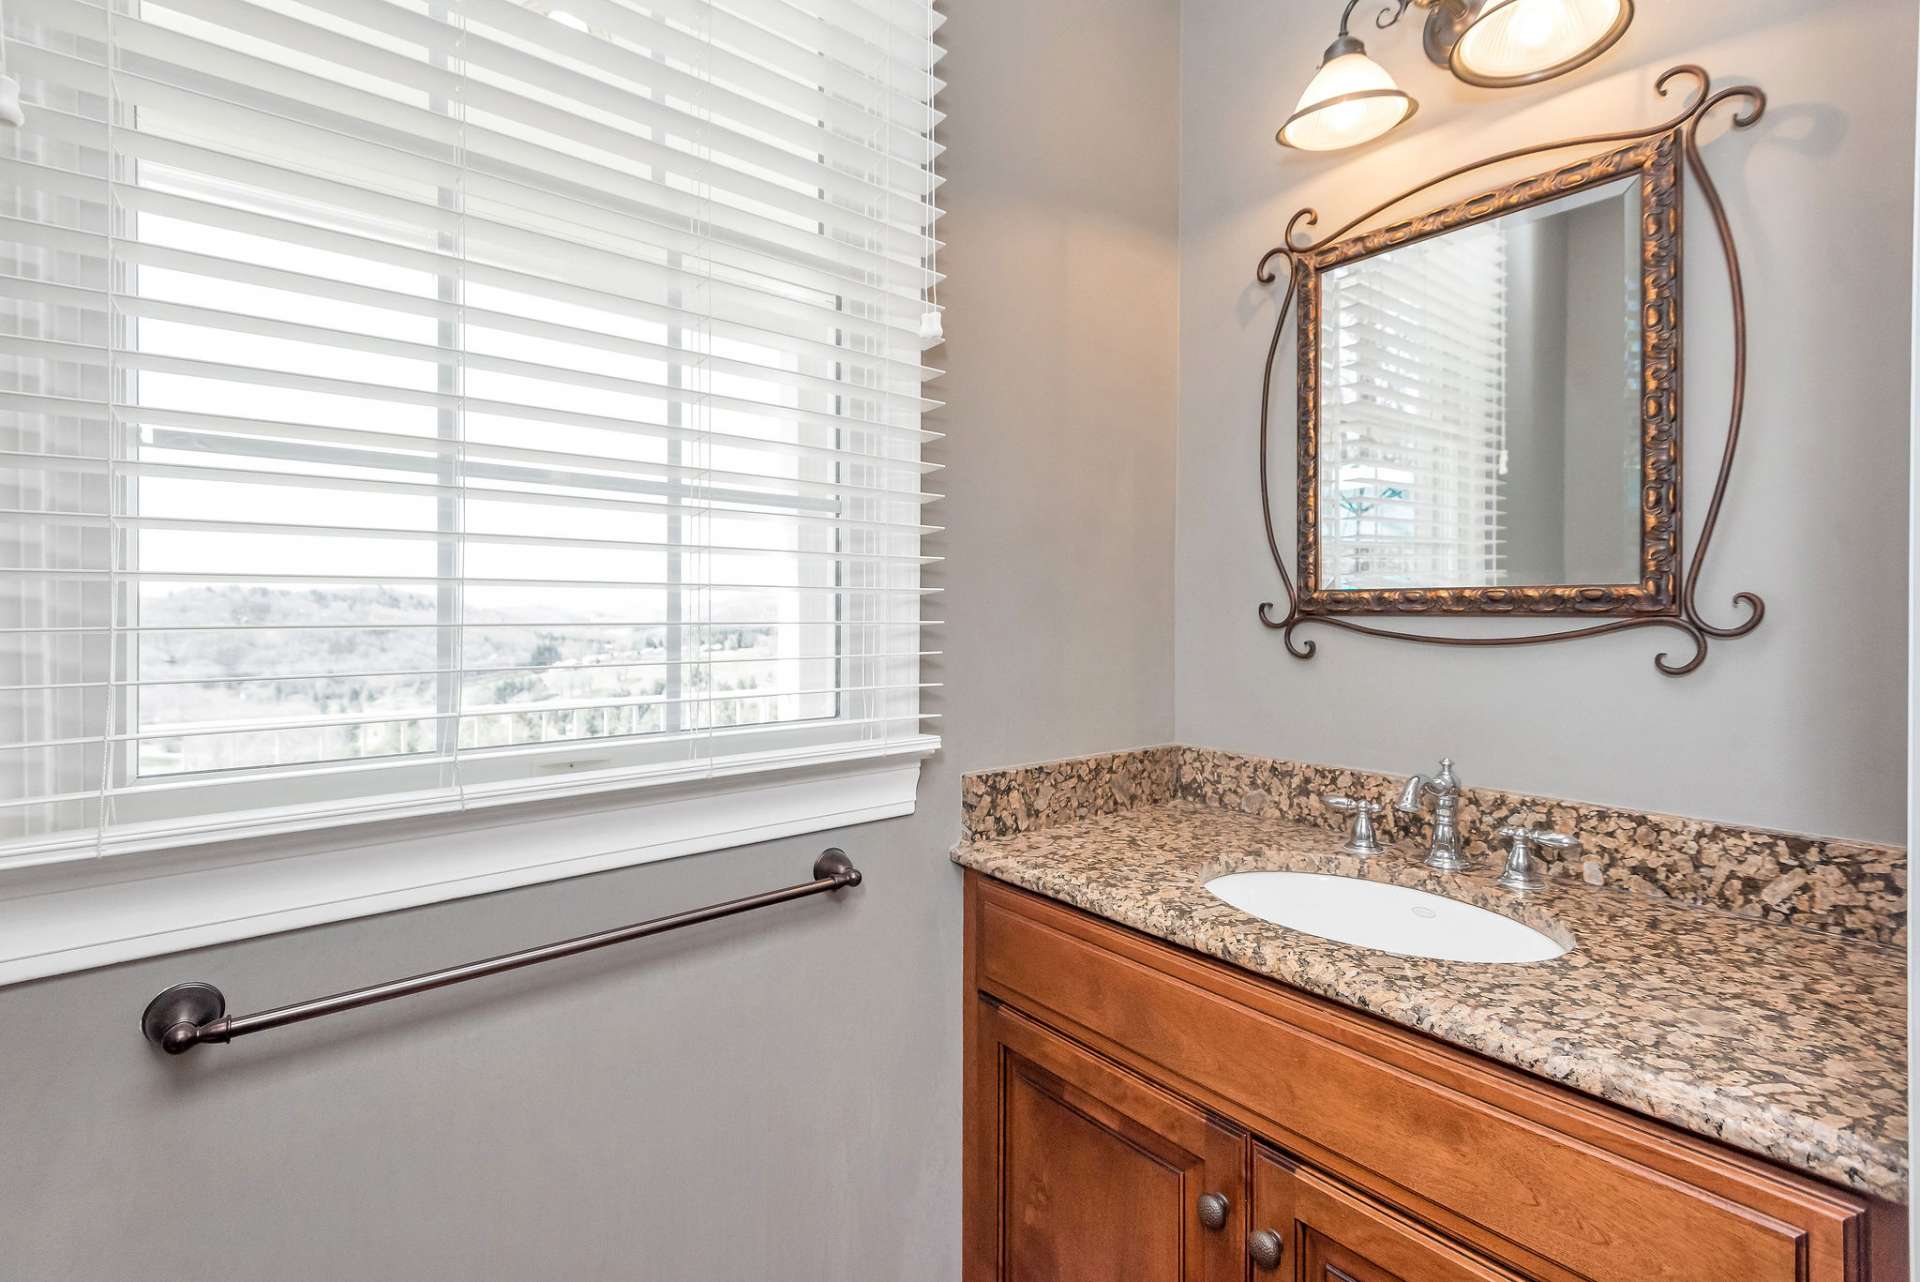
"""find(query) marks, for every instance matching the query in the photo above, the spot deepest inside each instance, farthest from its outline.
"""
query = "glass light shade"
(1350, 100)
(1520, 42)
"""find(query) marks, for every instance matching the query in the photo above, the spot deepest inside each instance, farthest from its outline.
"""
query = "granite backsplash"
(1005, 803)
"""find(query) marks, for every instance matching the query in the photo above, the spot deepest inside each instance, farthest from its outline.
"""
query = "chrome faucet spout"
(1444, 853)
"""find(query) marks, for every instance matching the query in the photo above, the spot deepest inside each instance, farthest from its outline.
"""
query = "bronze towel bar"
(189, 1014)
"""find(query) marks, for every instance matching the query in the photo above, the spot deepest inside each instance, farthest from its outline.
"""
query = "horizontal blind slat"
(241, 629)
(739, 301)
(557, 669)
(395, 394)
(770, 327)
(425, 715)
(891, 372)
(285, 529)
(95, 298)
(405, 73)
(547, 180)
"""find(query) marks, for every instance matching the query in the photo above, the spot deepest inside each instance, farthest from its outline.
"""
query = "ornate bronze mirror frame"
(1657, 163)
(1663, 596)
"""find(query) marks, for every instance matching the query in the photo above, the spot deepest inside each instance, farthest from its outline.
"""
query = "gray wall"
(1798, 726)
(776, 1097)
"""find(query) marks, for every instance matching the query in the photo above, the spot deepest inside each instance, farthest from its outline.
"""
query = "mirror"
(1476, 430)
(1496, 384)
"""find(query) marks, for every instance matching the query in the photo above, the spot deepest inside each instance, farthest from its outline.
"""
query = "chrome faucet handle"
(1361, 839)
(1522, 872)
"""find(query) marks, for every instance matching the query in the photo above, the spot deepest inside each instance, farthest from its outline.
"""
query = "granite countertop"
(1782, 1041)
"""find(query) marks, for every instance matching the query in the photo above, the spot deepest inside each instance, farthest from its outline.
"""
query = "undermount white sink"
(1389, 919)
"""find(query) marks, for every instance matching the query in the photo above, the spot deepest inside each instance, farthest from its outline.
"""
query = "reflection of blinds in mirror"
(1413, 415)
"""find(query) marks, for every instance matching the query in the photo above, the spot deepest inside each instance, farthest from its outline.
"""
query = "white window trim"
(72, 916)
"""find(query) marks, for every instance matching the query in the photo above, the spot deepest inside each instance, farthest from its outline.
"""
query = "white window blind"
(1413, 414)
(416, 404)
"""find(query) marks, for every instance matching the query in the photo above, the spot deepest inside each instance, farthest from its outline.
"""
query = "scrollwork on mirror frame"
(1677, 611)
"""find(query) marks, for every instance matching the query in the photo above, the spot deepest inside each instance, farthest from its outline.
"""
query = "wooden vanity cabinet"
(1115, 1083)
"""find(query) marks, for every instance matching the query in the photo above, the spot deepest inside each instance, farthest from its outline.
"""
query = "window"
(416, 406)
(1414, 415)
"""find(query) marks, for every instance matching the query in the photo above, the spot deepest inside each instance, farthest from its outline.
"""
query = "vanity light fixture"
(1500, 44)
(1352, 99)
(1496, 44)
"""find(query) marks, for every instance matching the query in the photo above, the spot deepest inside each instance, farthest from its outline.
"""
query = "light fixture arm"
(1392, 14)
(1389, 15)
(1452, 10)
(1446, 22)
(1345, 42)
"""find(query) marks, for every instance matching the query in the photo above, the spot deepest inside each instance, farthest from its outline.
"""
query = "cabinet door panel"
(1335, 1235)
(1098, 1175)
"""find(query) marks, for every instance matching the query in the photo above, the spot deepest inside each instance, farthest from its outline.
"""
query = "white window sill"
(77, 916)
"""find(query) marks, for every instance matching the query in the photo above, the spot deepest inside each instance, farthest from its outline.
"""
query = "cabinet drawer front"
(1562, 1180)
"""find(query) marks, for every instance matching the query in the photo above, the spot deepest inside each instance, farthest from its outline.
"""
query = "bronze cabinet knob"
(1213, 1210)
(1266, 1248)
